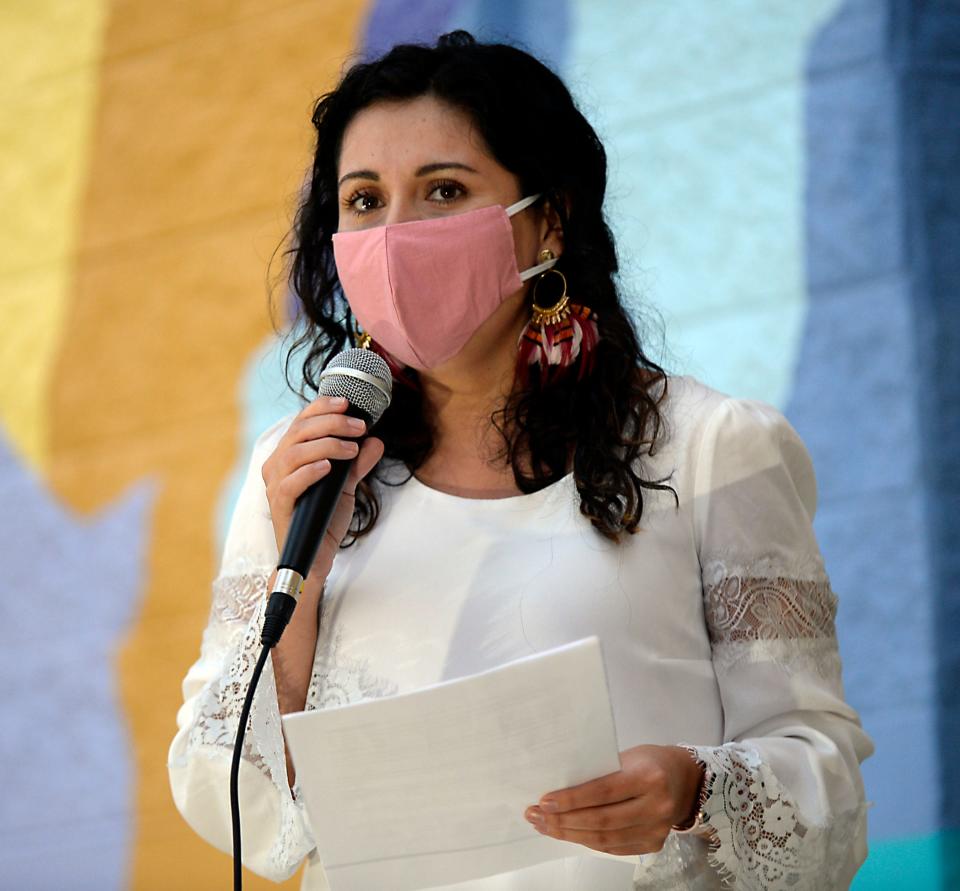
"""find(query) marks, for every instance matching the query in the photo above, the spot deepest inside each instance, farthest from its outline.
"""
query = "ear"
(551, 227)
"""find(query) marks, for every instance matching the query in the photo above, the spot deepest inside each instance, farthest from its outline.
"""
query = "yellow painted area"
(31, 305)
(39, 38)
(49, 74)
(201, 141)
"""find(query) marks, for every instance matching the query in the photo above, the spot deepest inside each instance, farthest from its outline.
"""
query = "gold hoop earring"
(551, 315)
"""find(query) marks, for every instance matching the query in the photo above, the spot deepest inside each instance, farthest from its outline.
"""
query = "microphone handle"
(311, 516)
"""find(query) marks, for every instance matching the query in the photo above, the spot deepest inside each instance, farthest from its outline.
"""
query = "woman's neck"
(465, 442)
(460, 399)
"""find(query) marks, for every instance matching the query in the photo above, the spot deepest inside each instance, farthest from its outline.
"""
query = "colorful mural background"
(785, 187)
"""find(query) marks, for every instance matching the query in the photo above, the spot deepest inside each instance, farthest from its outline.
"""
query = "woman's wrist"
(701, 787)
(294, 654)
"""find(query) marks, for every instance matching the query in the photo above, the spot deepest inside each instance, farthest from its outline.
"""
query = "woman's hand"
(627, 812)
(302, 457)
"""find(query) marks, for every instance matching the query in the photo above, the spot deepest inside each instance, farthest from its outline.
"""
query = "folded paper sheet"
(429, 788)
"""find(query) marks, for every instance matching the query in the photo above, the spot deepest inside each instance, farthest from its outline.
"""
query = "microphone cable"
(280, 608)
(235, 768)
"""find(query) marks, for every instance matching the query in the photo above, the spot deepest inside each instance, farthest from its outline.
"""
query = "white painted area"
(700, 106)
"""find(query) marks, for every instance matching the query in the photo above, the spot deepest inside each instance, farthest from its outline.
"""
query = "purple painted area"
(71, 589)
(405, 21)
(539, 26)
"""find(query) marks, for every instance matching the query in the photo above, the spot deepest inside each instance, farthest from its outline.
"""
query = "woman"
(536, 479)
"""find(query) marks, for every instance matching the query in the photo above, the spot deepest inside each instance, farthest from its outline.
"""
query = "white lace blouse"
(716, 622)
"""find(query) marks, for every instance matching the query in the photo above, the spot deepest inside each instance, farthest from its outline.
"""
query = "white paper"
(429, 788)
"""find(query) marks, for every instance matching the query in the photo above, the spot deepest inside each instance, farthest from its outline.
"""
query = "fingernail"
(338, 400)
(534, 815)
(356, 423)
(549, 805)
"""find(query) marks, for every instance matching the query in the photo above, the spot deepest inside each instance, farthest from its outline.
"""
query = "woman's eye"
(446, 192)
(362, 202)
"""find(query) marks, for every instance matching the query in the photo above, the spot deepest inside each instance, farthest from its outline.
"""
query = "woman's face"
(421, 159)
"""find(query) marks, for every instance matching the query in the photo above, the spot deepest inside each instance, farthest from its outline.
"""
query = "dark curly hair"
(608, 419)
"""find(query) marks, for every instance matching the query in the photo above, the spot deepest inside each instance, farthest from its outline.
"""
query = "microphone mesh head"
(336, 380)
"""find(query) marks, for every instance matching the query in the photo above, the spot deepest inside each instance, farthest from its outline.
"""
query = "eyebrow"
(421, 171)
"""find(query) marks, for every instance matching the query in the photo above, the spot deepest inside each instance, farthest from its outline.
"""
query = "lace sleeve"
(770, 613)
(763, 623)
(768, 632)
(275, 827)
(760, 838)
(785, 807)
(235, 616)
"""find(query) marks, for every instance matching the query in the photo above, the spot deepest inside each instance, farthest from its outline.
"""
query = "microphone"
(364, 378)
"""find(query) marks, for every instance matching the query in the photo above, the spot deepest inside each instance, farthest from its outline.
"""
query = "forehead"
(401, 134)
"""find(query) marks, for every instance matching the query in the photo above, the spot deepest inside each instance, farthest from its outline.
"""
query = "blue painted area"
(853, 403)
(857, 417)
(700, 109)
(72, 588)
(925, 51)
(877, 400)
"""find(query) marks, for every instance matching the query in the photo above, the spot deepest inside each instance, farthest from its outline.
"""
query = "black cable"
(235, 769)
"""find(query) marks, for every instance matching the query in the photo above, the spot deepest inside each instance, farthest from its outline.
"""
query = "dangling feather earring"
(554, 337)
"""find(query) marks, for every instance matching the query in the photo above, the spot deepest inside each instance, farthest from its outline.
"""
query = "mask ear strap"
(536, 270)
(522, 204)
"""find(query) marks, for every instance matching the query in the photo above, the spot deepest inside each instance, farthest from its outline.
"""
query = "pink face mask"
(421, 289)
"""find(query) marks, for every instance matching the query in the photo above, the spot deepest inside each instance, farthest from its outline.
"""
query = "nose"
(402, 211)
